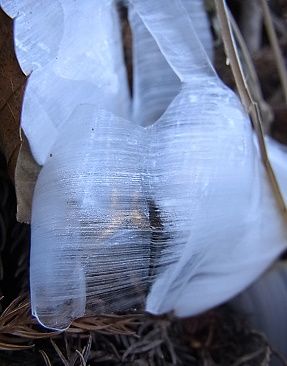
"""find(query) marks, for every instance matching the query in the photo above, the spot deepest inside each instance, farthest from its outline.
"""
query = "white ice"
(194, 166)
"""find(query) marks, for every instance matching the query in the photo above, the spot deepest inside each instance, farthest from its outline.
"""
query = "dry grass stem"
(251, 106)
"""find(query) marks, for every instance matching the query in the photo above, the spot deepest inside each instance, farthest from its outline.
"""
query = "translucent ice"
(220, 227)
(180, 209)
(74, 51)
(264, 304)
(154, 82)
(38, 30)
(90, 229)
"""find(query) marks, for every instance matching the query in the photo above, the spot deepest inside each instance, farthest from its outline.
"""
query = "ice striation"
(90, 229)
(220, 225)
(164, 205)
(154, 82)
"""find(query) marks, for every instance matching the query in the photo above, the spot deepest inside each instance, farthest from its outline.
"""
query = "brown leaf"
(26, 174)
(12, 82)
(23, 170)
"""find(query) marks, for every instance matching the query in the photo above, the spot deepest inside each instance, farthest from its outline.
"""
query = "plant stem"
(247, 100)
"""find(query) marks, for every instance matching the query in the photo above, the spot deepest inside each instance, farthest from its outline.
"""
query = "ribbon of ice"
(154, 82)
(220, 226)
(217, 226)
(90, 232)
(72, 52)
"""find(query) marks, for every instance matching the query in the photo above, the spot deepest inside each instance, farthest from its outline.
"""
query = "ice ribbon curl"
(154, 82)
(206, 179)
(196, 168)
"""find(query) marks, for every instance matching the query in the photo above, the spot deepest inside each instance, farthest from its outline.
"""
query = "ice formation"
(166, 204)
(73, 54)
(154, 82)
(89, 190)
(264, 305)
(90, 228)
(220, 224)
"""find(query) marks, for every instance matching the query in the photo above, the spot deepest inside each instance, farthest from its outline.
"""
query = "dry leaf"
(26, 174)
(22, 168)
(12, 83)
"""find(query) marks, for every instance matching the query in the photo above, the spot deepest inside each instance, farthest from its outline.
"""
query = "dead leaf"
(23, 170)
(12, 82)
(26, 174)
